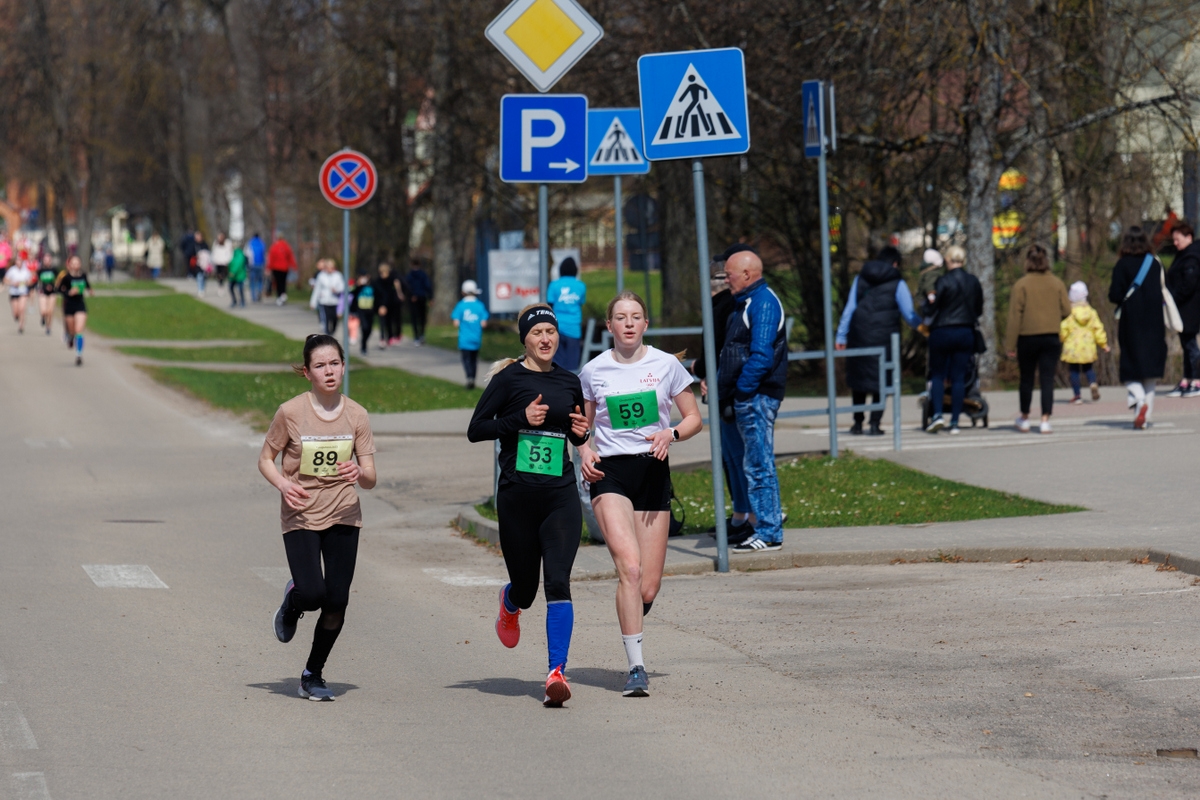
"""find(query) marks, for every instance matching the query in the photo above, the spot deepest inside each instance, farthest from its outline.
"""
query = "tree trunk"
(982, 175)
(677, 237)
(442, 184)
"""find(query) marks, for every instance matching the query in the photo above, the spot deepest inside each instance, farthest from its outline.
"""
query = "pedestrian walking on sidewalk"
(327, 289)
(1183, 281)
(389, 304)
(752, 377)
(280, 261)
(256, 261)
(420, 292)
(567, 296)
(222, 257)
(1137, 292)
(237, 278)
(953, 310)
(534, 407)
(362, 305)
(470, 317)
(156, 250)
(327, 448)
(629, 391)
(879, 299)
(1082, 334)
(1036, 308)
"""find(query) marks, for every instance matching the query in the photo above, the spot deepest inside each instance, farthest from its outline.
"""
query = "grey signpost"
(620, 234)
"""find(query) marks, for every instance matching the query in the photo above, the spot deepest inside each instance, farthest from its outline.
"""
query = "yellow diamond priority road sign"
(544, 38)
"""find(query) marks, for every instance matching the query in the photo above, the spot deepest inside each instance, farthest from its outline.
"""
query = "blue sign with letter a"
(543, 138)
(694, 104)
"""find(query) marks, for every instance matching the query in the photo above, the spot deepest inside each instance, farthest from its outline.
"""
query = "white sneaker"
(1022, 424)
(954, 431)
(1045, 427)
(935, 425)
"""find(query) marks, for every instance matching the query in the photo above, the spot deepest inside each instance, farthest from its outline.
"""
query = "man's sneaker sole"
(757, 546)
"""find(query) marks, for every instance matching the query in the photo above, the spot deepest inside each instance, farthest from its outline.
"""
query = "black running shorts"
(644, 479)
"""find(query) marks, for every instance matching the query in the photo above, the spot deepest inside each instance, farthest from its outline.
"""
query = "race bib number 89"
(635, 410)
(319, 455)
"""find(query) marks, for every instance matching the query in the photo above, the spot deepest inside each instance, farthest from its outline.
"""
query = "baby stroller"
(975, 405)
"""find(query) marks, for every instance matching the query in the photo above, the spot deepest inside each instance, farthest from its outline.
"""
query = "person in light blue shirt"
(470, 317)
(567, 296)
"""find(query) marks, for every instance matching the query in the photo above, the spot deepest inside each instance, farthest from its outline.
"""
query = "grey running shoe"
(285, 617)
(638, 685)
(312, 687)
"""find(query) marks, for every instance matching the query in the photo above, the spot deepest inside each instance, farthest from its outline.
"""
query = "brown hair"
(1184, 228)
(314, 341)
(626, 295)
(1036, 258)
(1134, 242)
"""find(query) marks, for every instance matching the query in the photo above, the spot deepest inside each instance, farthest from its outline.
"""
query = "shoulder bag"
(1133, 287)
(1171, 317)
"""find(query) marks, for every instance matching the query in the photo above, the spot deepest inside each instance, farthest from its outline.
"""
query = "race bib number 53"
(540, 452)
(319, 455)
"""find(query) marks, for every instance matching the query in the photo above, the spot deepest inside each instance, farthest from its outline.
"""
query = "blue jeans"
(950, 351)
(569, 352)
(1089, 370)
(200, 280)
(256, 283)
(756, 424)
(733, 456)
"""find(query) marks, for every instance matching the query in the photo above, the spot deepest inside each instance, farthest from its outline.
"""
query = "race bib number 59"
(635, 410)
(319, 455)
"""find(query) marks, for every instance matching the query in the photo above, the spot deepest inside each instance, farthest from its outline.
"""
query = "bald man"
(751, 378)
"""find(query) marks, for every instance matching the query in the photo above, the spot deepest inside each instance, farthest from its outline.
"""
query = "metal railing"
(591, 347)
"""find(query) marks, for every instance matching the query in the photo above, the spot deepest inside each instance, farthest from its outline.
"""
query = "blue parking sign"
(543, 138)
(694, 104)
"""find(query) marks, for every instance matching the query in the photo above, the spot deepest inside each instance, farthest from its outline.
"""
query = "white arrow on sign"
(569, 165)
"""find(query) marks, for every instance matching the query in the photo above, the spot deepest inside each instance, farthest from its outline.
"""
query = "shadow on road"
(290, 686)
(608, 679)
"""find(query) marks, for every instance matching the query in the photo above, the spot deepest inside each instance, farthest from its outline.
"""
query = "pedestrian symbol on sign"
(812, 133)
(617, 148)
(695, 115)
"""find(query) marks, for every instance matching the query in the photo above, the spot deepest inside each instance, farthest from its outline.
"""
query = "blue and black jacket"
(754, 358)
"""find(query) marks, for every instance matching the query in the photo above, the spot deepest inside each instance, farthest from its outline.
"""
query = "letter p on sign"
(529, 141)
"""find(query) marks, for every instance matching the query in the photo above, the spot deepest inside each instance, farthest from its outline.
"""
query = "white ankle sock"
(633, 649)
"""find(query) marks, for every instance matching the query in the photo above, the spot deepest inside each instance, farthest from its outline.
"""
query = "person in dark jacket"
(953, 312)
(389, 301)
(879, 298)
(1183, 281)
(752, 376)
(420, 291)
(1140, 330)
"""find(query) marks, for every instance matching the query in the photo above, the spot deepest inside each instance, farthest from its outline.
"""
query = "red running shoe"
(1139, 421)
(558, 691)
(508, 623)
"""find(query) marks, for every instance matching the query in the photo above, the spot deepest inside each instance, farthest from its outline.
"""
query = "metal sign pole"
(543, 240)
(710, 363)
(620, 235)
(827, 291)
(346, 317)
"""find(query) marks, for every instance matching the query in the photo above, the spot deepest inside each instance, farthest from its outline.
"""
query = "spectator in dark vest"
(1183, 279)
(879, 298)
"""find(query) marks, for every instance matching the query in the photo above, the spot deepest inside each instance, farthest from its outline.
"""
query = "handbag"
(1133, 287)
(1171, 317)
(980, 342)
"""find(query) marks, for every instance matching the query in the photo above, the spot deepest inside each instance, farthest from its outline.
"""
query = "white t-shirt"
(612, 386)
(19, 275)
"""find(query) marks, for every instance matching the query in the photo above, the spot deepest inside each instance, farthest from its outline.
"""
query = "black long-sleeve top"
(500, 414)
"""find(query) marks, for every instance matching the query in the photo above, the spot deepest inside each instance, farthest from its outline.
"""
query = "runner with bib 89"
(533, 406)
(629, 390)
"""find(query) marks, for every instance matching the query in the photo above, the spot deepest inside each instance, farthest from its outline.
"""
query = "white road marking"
(123, 576)
(276, 576)
(455, 578)
(30, 786)
(1171, 591)
(1180, 678)
(15, 733)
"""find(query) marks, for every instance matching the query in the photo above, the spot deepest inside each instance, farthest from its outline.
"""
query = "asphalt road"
(900, 681)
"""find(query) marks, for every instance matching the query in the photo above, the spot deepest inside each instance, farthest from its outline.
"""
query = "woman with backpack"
(1137, 292)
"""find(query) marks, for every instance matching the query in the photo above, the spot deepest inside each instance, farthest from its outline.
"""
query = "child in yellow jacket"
(1082, 333)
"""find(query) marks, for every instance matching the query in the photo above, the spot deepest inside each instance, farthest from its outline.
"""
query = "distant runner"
(533, 406)
(18, 279)
(321, 435)
(72, 283)
(46, 293)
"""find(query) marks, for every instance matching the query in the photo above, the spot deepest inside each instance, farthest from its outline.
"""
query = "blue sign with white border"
(812, 107)
(543, 138)
(694, 104)
(615, 142)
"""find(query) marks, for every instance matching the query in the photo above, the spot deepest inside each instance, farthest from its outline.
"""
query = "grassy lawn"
(853, 490)
(275, 351)
(379, 390)
(170, 316)
(499, 341)
(602, 287)
(131, 286)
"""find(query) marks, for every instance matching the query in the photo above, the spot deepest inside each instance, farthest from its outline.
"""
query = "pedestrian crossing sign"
(615, 142)
(544, 38)
(694, 104)
(812, 110)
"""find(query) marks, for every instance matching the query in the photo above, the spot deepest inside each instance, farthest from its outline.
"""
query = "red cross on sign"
(348, 179)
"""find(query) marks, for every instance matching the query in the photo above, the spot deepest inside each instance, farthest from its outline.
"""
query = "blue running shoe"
(638, 685)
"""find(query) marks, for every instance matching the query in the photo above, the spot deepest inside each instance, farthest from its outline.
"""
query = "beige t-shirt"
(311, 448)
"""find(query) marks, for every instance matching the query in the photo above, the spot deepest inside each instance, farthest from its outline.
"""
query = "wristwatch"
(675, 434)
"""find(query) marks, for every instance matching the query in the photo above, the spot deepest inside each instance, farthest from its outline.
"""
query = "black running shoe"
(312, 687)
(285, 617)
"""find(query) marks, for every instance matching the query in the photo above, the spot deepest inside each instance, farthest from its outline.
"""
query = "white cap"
(1078, 293)
(933, 257)
(470, 287)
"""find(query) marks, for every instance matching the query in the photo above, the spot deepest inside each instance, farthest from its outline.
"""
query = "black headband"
(535, 316)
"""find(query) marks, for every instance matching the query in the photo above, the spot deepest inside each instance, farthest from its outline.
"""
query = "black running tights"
(539, 530)
(1039, 352)
(330, 591)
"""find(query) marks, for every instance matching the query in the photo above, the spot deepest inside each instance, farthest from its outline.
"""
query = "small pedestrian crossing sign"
(694, 103)
(813, 107)
(615, 142)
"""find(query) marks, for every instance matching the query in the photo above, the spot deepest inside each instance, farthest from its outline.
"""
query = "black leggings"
(366, 320)
(280, 279)
(391, 323)
(539, 528)
(330, 591)
(418, 308)
(470, 362)
(1038, 352)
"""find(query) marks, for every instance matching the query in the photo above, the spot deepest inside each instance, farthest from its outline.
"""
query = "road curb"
(475, 525)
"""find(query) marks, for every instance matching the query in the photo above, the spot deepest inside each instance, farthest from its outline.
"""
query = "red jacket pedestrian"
(280, 259)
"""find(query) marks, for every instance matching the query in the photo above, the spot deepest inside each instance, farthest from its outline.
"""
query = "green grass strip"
(169, 316)
(380, 390)
(853, 490)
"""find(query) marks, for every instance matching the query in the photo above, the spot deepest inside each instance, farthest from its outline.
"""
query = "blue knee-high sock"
(560, 621)
(508, 604)
(79, 343)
